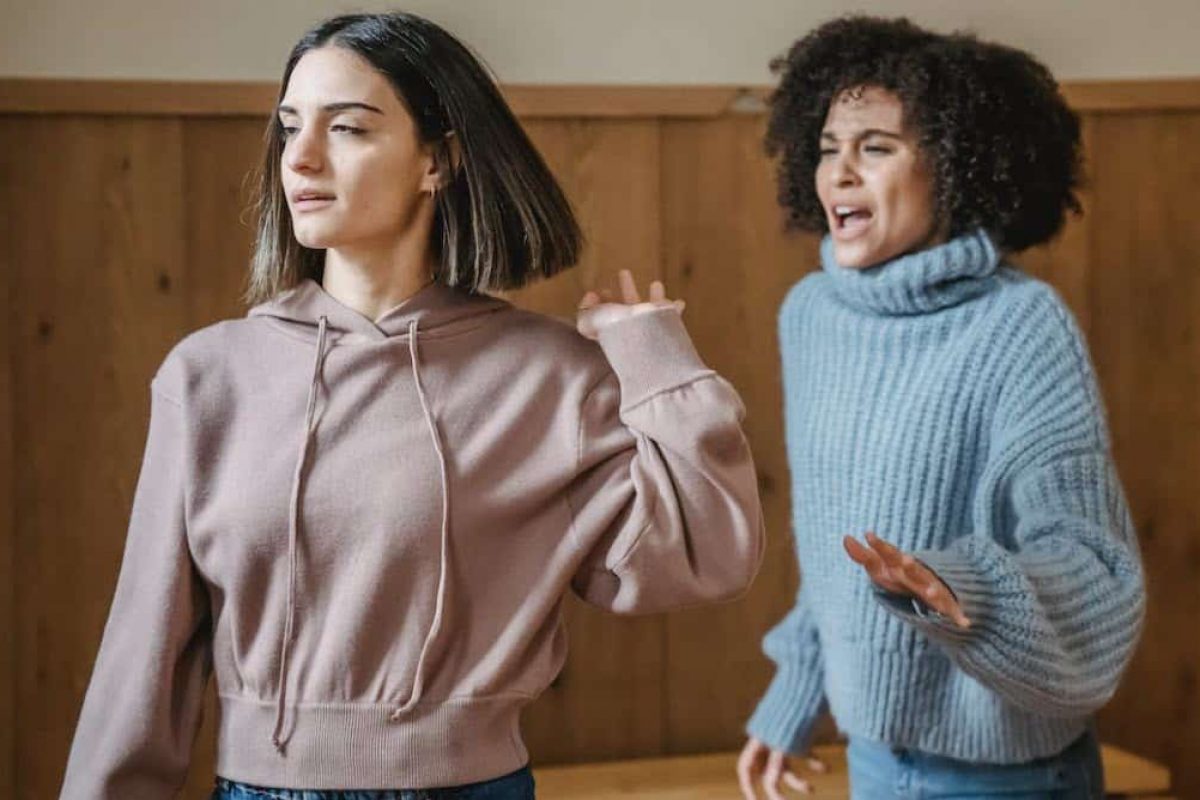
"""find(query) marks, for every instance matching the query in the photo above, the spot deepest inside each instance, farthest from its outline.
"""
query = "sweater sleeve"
(1051, 579)
(143, 705)
(665, 499)
(787, 713)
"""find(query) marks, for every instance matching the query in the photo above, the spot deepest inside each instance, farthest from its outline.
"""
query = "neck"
(372, 281)
(916, 283)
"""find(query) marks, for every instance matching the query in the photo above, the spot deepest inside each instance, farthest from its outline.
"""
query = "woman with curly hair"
(362, 506)
(940, 403)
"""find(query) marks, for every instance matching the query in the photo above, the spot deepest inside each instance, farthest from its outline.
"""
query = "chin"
(855, 256)
(315, 239)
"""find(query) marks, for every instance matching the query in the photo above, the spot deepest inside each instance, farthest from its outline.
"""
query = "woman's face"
(873, 181)
(354, 169)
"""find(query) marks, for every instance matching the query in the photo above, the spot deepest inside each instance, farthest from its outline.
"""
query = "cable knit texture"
(946, 401)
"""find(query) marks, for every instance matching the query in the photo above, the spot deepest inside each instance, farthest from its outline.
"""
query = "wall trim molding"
(238, 99)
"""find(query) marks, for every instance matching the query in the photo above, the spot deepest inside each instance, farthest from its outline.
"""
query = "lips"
(847, 221)
(310, 200)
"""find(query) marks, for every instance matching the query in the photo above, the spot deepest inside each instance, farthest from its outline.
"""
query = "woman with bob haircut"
(361, 506)
(940, 404)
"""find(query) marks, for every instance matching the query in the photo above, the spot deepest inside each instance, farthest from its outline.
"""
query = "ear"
(445, 159)
(431, 177)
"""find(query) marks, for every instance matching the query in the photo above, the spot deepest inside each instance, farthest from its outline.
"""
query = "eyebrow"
(865, 134)
(334, 108)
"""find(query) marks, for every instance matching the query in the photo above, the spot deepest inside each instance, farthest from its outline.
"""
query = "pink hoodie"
(367, 530)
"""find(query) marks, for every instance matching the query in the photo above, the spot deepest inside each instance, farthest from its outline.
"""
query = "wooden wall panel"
(1066, 263)
(97, 244)
(8, 513)
(607, 702)
(220, 160)
(124, 233)
(1145, 295)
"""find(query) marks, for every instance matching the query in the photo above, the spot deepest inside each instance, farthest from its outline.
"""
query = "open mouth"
(850, 219)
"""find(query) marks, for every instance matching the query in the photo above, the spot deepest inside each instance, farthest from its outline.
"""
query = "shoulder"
(1032, 317)
(548, 339)
(803, 294)
(200, 355)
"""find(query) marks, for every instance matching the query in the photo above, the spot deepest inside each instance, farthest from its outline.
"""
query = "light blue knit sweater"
(946, 401)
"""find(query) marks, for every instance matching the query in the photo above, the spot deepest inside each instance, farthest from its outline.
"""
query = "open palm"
(897, 572)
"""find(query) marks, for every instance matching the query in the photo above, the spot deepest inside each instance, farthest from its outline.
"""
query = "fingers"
(869, 560)
(861, 555)
(589, 300)
(658, 292)
(748, 767)
(934, 592)
(776, 762)
(630, 295)
(799, 784)
(758, 762)
(919, 580)
(629, 290)
(891, 555)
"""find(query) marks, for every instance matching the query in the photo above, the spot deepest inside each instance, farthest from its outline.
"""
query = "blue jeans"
(513, 786)
(881, 772)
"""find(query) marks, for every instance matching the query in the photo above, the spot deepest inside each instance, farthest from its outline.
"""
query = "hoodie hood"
(435, 309)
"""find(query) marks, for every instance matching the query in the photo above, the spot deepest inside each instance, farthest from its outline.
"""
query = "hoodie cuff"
(788, 712)
(651, 353)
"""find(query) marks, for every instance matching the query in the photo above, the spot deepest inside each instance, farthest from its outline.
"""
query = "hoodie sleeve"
(1057, 607)
(665, 499)
(134, 736)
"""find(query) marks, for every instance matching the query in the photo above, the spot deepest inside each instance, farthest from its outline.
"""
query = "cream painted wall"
(576, 41)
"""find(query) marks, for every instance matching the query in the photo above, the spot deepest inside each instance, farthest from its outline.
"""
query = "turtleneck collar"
(917, 283)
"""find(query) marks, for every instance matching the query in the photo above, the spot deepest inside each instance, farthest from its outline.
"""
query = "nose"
(844, 170)
(302, 151)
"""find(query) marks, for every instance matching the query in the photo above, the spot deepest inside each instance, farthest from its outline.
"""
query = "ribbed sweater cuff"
(788, 711)
(651, 353)
(970, 587)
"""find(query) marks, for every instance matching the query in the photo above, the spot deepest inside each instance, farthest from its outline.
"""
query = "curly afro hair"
(1003, 146)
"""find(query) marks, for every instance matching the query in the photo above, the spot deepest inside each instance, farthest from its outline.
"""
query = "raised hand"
(899, 573)
(597, 310)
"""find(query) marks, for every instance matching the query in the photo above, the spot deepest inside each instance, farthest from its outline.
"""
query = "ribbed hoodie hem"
(328, 746)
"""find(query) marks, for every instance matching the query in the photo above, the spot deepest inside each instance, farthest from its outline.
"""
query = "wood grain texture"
(97, 244)
(124, 233)
(9, 653)
(566, 101)
(221, 157)
(1145, 337)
